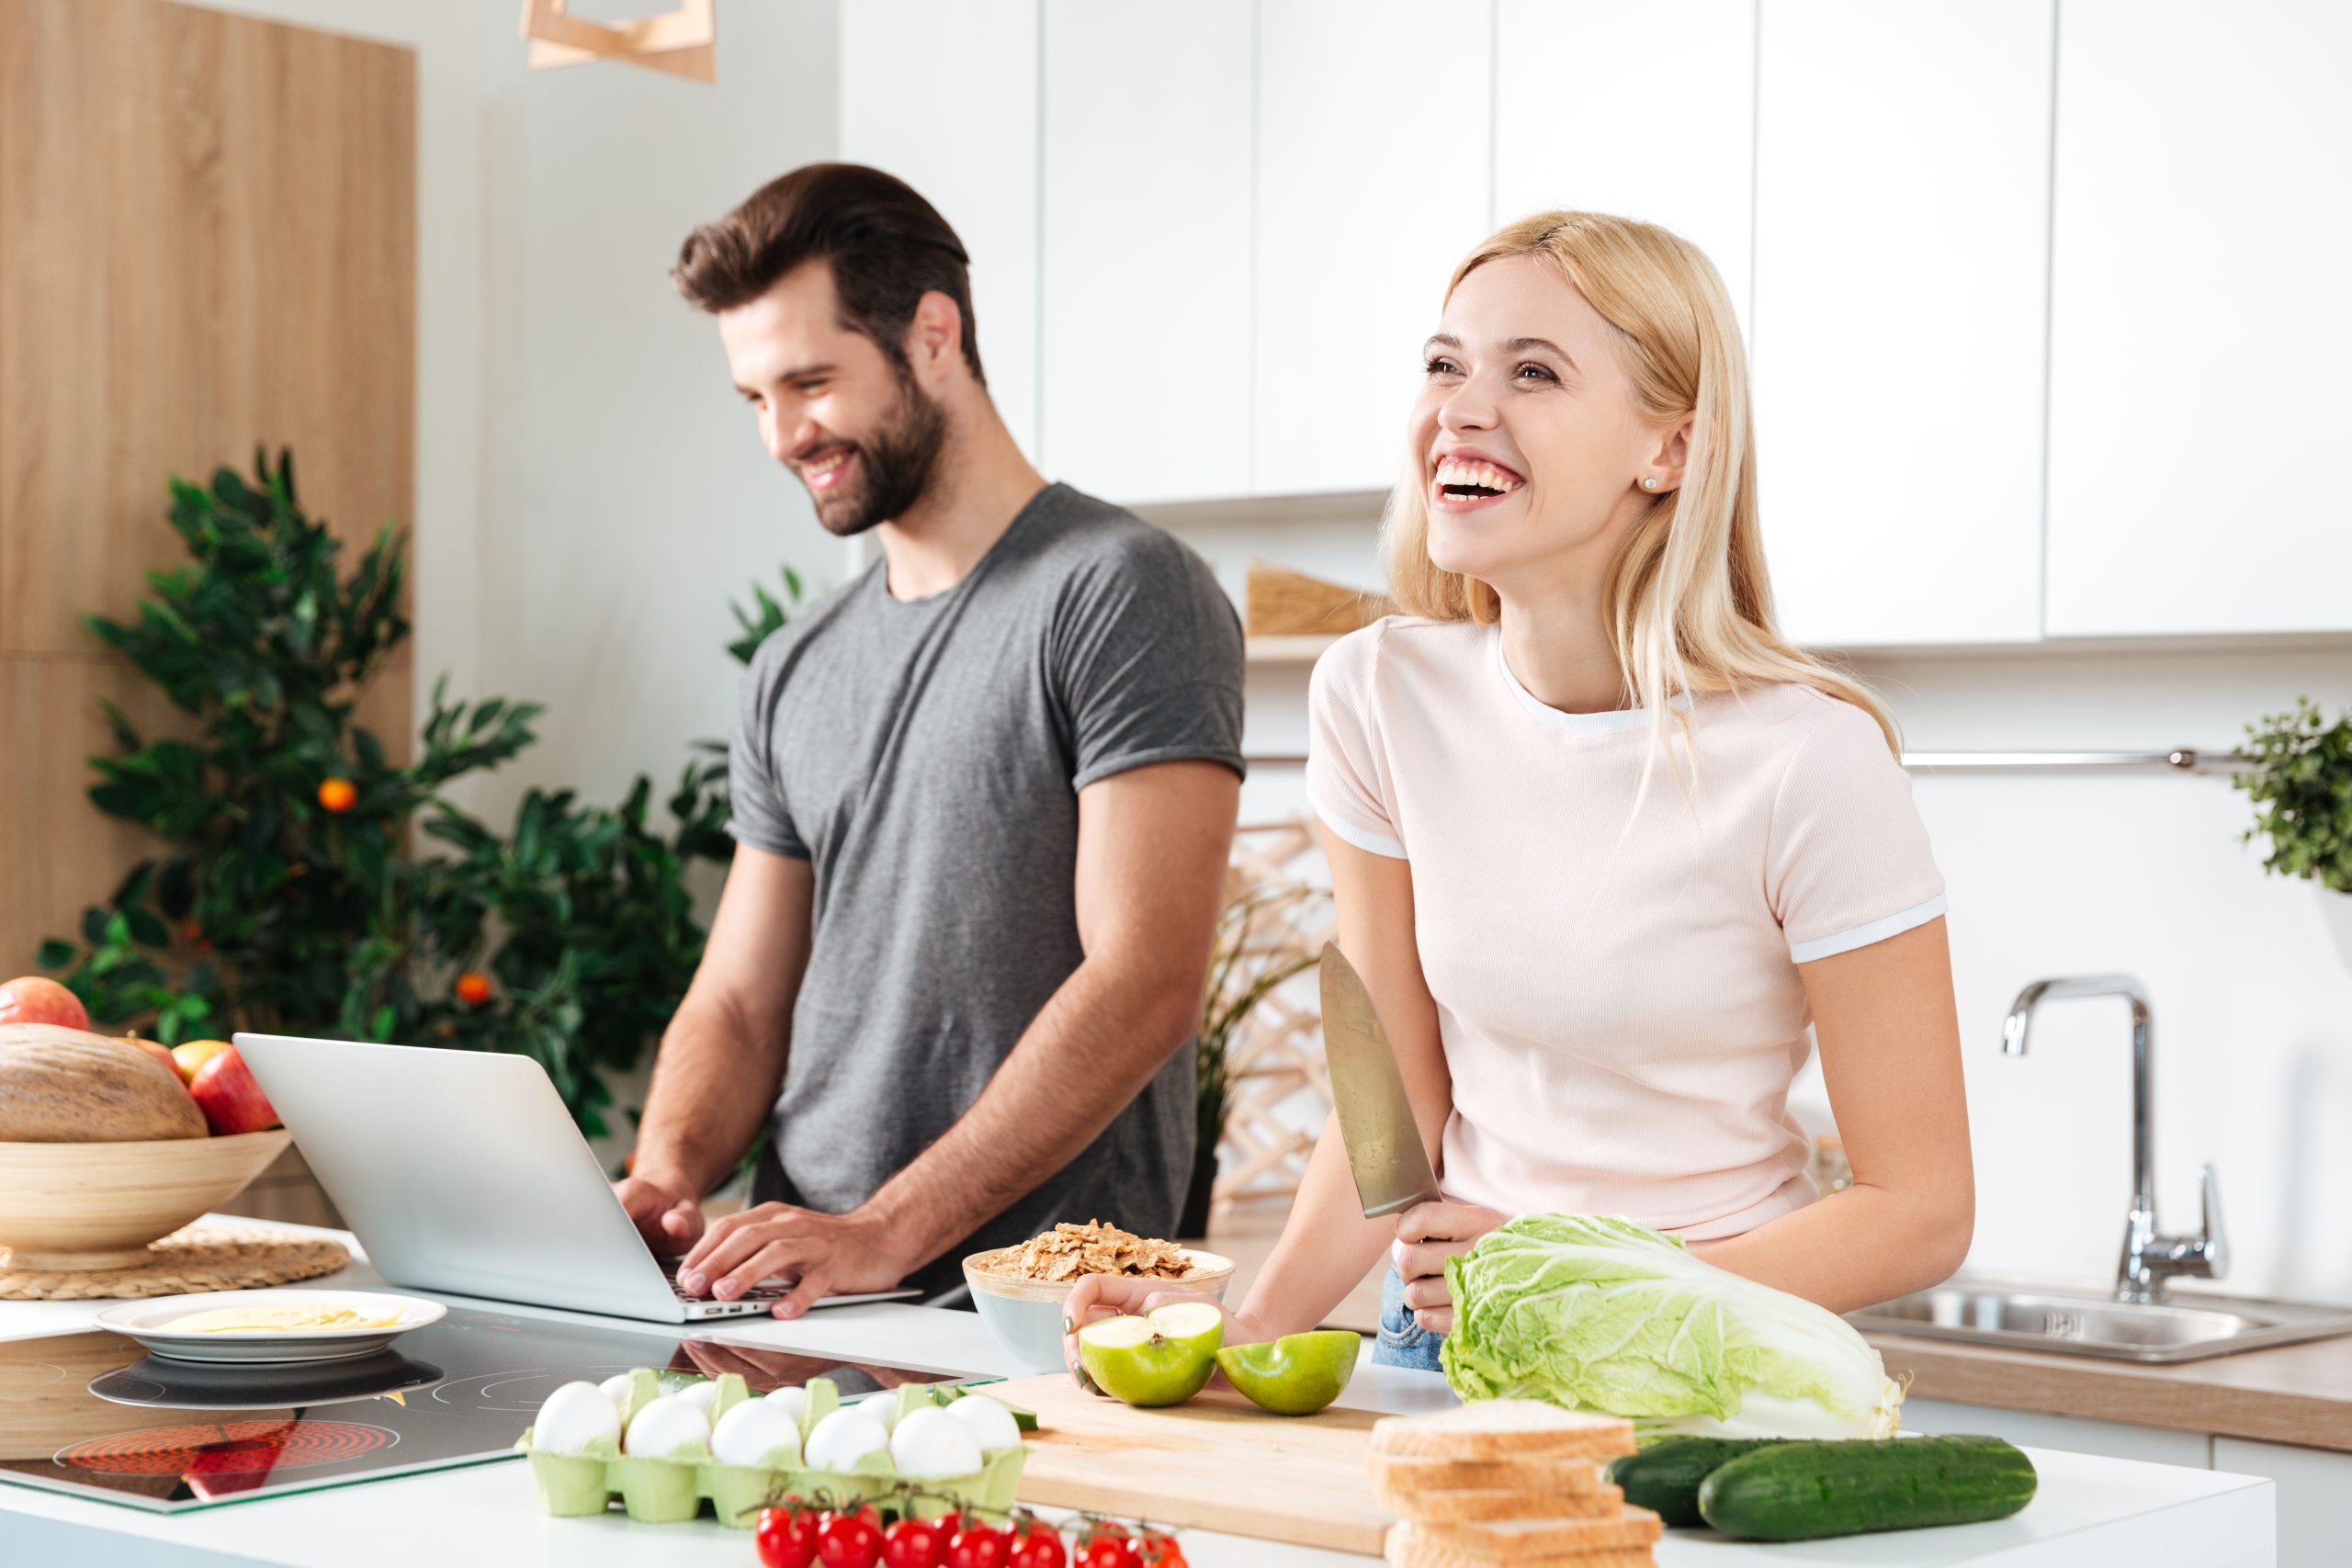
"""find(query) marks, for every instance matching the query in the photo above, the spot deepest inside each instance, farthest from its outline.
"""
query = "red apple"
(225, 1091)
(160, 1051)
(34, 999)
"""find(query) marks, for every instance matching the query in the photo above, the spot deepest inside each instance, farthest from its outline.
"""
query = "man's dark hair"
(886, 245)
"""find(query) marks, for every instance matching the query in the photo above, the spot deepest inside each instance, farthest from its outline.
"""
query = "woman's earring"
(1649, 484)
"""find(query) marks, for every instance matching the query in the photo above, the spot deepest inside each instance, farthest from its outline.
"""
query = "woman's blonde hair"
(1689, 607)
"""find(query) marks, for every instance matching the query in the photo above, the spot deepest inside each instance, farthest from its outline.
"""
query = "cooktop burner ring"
(226, 1447)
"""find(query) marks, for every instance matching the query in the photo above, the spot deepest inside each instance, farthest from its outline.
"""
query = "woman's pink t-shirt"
(1617, 993)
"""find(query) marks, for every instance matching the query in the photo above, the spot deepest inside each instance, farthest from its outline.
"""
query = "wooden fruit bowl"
(67, 1206)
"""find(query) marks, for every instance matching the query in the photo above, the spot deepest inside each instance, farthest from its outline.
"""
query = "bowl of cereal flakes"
(1021, 1290)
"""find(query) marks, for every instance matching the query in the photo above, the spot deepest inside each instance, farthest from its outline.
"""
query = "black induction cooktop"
(93, 1416)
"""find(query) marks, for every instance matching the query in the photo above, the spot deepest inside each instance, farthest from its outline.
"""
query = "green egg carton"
(671, 1491)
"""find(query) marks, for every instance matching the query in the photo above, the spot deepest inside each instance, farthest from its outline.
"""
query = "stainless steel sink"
(2182, 1328)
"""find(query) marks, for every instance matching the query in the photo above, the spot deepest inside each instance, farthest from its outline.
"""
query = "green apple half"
(1296, 1375)
(1163, 1357)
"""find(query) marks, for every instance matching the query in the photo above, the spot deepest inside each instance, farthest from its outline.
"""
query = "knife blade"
(1392, 1168)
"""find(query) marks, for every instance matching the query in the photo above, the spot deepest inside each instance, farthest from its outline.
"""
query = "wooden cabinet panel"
(207, 240)
(1571, 75)
(1374, 140)
(1146, 360)
(944, 95)
(2199, 323)
(1902, 199)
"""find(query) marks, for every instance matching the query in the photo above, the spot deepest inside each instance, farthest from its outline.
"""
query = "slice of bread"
(1485, 1474)
(1410, 1547)
(1474, 1507)
(1515, 1540)
(1502, 1429)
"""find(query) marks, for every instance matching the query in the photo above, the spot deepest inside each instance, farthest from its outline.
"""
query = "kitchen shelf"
(1304, 649)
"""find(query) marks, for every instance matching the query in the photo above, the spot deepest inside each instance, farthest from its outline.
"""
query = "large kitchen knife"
(1392, 1168)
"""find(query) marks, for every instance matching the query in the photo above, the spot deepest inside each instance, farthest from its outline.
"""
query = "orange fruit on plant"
(472, 987)
(337, 794)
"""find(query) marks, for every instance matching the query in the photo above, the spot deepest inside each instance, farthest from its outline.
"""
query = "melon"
(69, 1086)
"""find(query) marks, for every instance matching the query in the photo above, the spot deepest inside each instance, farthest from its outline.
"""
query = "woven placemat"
(192, 1258)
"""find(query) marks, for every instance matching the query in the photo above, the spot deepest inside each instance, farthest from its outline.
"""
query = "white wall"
(590, 491)
(625, 498)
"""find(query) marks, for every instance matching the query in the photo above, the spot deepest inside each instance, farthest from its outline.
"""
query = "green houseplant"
(289, 894)
(2301, 779)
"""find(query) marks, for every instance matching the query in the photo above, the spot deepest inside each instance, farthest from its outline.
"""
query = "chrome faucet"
(2149, 1257)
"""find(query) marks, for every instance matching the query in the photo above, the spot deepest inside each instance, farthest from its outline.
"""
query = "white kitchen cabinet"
(1572, 75)
(1902, 196)
(2315, 1530)
(2199, 320)
(1147, 264)
(2031, 1429)
(944, 95)
(1373, 134)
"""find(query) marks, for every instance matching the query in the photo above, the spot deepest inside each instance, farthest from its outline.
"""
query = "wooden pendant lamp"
(678, 42)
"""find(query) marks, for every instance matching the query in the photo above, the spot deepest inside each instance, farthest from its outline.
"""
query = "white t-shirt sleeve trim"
(1862, 935)
(1375, 843)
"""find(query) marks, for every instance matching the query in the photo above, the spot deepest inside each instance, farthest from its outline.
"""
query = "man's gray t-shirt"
(926, 758)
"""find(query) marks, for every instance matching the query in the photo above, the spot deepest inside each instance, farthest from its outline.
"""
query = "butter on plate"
(281, 1320)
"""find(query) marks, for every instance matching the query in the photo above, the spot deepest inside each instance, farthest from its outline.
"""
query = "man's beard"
(895, 468)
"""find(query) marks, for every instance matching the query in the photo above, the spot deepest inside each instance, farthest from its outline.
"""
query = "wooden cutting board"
(1215, 1463)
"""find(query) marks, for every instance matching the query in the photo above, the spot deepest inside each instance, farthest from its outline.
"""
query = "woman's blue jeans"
(1402, 1342)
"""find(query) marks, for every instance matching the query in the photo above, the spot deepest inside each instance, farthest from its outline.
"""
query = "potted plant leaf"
(2301, 779)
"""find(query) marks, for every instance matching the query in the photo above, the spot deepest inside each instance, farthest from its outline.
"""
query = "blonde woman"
(1603, 844)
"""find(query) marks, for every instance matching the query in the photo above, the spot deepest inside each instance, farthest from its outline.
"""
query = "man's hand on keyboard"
(670, 1223)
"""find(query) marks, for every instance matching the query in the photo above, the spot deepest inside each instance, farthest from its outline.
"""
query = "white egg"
(883, 1406)
(843, 1438)
(573, 1416)
(990, 1422)
(792, 1399)
(750, 1431)
(616, 1389)
(931, 1445)
(701, 1396)
(664, 1426)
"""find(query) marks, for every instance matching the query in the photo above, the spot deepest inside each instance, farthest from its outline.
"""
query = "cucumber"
(1664, 1477)
(1806, 1491)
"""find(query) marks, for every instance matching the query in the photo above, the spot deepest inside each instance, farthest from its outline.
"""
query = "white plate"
(150, 1322)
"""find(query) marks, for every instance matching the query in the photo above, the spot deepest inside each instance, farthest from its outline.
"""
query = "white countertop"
(2090, 1513)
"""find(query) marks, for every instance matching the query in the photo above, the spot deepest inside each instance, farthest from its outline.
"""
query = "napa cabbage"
(1597, 1313)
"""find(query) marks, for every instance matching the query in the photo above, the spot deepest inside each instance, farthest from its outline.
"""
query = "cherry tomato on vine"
(786, 1537)
(1109, 1551)
(1039, 1546)
(976, 1546)
(914, 1543)
(1161, 1552)
(850, 1541)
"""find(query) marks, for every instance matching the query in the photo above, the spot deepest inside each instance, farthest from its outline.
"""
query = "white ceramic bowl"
(1026, 1315)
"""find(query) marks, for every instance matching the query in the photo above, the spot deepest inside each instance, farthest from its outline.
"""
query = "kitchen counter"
(2295, 1394)
(2091, 1512)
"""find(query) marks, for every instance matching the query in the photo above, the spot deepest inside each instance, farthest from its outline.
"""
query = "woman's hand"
(1427, 1235)
(1108, 1295)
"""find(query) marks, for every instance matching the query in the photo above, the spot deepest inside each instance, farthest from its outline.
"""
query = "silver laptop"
(462, 1172)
